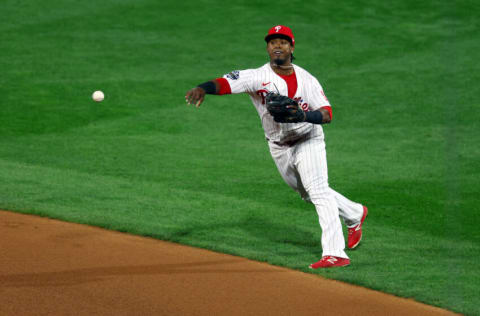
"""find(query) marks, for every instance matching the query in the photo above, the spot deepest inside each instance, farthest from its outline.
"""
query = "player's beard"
(279, 61)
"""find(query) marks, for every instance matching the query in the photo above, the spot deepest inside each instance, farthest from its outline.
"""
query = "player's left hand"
(195, 96)
(284, 109)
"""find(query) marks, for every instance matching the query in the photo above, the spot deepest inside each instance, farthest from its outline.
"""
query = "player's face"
(279, 50)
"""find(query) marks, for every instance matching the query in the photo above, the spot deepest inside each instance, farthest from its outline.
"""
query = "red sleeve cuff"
(224, 86)
(329, 109)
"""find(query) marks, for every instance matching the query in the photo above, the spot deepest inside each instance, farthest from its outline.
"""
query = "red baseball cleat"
(330, 262)
(355, 233)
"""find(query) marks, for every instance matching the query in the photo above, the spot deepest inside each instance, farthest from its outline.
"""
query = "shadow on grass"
(255, 234)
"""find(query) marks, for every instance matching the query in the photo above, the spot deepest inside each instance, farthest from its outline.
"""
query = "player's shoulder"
(307, 76)
(251, 75)
(243, 73)
(262, 69)
(303, 72)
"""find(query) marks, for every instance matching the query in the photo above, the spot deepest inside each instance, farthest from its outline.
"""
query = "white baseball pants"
(303, 166)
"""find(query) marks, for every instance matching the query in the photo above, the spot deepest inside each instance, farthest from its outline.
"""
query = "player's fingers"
(199, 102)
(194, 100)
(191, 100)
(194, 97)
(188, 96)
(191, 97)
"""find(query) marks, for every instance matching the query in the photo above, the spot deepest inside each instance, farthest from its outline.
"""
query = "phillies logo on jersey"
(302, 104)
(263, 94)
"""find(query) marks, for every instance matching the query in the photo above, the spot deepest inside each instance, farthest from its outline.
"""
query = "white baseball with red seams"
(98, 96)
(302, 163)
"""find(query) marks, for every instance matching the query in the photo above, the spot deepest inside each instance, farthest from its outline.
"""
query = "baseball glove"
(283, 109)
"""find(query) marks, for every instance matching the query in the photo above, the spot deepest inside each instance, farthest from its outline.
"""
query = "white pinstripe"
(303, 166)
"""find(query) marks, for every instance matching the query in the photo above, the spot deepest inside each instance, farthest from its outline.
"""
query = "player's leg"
(350, 211)
(354, 215)
(283, 158)
(311, 164)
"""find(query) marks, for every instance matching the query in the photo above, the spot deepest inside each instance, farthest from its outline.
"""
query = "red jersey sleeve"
(224, 86)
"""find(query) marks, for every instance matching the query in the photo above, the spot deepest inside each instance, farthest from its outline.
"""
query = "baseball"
(98, 96)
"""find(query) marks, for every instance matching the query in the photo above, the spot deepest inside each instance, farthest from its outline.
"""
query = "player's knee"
(317, 188)
(320, 195)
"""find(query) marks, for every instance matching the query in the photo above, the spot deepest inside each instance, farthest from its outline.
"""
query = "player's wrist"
(314, 117)
(209, 87)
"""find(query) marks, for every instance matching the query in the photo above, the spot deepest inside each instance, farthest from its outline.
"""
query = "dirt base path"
(49, 267)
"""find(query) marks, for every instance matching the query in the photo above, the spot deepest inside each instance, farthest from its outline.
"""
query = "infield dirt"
(49, 267)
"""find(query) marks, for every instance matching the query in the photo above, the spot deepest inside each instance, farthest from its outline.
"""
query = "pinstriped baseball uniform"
(298, 149)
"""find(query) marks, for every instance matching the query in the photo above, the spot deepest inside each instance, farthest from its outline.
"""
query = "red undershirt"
(291, 81)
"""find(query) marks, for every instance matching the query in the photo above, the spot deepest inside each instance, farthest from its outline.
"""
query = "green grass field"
(403, 81)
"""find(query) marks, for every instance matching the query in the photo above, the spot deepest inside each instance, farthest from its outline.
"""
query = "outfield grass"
(402, 79)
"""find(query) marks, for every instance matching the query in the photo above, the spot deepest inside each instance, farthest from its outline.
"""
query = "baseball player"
(292, 107)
